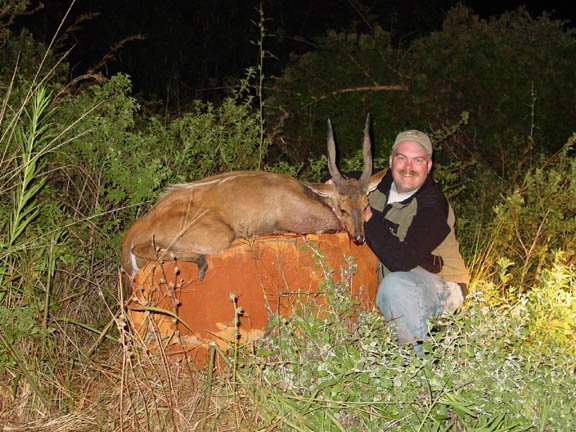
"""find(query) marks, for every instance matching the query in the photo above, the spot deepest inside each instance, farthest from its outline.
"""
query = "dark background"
(198, 47)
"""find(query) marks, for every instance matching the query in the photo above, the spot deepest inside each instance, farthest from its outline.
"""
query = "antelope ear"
(322, 189)
(376, 179)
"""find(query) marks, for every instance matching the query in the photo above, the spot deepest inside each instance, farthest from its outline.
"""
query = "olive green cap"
(416, 136)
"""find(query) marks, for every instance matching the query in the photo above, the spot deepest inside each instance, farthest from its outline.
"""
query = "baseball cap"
(416, 136)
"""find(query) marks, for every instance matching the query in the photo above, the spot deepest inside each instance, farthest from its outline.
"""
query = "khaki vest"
(453, 268)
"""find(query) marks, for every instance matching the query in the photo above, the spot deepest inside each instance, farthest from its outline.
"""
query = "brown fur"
(202, 218)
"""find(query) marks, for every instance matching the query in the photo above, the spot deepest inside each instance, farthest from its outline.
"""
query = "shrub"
(509, 73)
(343, 371)
(533, 221)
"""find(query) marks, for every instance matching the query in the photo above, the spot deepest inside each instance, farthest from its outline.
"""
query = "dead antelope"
(202, 218)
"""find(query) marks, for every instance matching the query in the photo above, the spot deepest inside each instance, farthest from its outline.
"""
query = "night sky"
(198, 46)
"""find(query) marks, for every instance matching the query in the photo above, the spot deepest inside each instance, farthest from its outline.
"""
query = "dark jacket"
(417, 232)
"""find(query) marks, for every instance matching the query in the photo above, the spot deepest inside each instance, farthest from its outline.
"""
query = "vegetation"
(80, 159)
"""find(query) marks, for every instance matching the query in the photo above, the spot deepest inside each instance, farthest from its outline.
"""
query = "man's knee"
(390, 292)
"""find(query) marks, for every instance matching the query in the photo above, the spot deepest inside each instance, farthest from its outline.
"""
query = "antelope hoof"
(202, 267)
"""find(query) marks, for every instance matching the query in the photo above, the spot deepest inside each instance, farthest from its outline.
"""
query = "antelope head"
(348, 197)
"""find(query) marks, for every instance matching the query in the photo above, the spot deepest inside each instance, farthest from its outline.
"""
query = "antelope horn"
(367, 155)
(332, 168)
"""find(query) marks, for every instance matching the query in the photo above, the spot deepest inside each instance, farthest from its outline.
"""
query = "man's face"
(410, 165)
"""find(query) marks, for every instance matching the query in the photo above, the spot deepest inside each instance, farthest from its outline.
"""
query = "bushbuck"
(202, 218)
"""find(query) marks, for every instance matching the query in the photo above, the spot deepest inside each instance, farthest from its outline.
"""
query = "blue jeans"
(409, 299)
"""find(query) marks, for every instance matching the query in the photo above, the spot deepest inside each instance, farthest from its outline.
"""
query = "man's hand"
(368, 214)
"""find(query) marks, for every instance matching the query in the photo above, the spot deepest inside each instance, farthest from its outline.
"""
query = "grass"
(484, 371)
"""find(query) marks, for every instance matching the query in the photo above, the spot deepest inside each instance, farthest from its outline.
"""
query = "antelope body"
(202, 218)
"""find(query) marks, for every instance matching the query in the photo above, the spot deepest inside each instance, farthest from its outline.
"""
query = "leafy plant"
(534, 220)
(551, 308)
(521, 77)
(27, 141)
(336, 370)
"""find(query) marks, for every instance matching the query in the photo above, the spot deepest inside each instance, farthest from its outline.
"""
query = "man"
(410, 227)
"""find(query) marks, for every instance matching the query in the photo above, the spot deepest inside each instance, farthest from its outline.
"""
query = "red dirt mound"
(264, 275)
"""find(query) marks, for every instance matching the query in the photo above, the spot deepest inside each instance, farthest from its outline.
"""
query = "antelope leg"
(202, 266)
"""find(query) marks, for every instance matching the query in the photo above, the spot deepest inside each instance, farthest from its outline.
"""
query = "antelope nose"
(359, 239)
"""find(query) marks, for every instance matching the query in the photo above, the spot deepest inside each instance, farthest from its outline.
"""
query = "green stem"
(24, 369)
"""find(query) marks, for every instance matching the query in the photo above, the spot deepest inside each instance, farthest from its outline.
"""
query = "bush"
(531, 223)
(344, 371)
(512, 76)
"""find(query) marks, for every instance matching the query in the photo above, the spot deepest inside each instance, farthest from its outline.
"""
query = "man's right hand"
(368, 214)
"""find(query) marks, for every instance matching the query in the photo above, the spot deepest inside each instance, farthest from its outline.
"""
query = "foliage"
(483, 371)
(27, 254)
(551, 308)
(211, 139)
(9, 11)
(24, 63)
(345, 77)
(534, 220)
(510, 74)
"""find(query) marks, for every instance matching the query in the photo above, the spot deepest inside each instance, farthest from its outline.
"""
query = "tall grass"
(26, 141)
